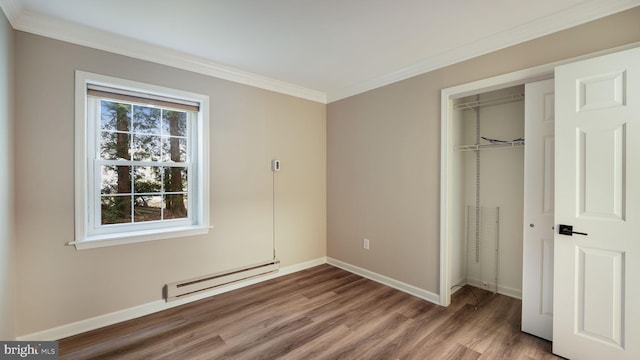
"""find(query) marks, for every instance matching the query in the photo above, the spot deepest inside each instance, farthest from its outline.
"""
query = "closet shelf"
(470, 105)
(475, 147)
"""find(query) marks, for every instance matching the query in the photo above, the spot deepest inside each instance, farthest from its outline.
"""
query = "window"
(141, 162)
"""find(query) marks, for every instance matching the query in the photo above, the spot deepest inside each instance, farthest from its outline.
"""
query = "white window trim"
(84, 239)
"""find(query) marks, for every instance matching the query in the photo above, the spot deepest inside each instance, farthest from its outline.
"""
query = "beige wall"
(7, 285)
(383, 153)
(382, 178)
(58, 285)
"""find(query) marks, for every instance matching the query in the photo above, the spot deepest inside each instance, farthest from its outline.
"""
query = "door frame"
(542, 72)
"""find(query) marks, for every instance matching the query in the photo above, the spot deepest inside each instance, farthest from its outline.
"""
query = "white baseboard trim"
(509, 291)
(155, 306)
(404, 287)
(504, 290)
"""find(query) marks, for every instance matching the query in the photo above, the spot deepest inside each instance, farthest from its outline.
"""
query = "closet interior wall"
(500, 183)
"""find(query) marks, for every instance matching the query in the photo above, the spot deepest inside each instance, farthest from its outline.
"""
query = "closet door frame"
(448, 95)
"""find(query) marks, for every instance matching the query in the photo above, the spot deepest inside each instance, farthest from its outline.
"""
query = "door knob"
(568, 230)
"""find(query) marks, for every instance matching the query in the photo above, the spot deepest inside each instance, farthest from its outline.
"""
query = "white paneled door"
(537, 262)
(597, 254)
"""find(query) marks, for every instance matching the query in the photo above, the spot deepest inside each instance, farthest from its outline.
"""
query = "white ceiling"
(322, 50)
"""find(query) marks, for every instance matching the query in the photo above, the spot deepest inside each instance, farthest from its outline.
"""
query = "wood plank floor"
(319, 313)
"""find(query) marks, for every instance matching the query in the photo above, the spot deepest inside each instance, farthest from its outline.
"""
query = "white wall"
(457, 196)
(501, 183)
(7, 254)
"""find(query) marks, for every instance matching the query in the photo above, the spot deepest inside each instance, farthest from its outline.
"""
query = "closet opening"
(487, 191)
(482, 183)
(492, 186)
(466, 207)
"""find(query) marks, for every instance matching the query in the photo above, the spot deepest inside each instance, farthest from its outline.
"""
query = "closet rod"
(470, 105)
(474, 147)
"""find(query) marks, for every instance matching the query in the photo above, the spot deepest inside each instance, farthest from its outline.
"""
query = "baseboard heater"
(180, 289)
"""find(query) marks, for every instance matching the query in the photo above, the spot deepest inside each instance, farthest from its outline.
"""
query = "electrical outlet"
(485, 285)
(365, 244)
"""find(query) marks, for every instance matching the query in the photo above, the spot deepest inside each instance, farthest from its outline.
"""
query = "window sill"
(98, 241)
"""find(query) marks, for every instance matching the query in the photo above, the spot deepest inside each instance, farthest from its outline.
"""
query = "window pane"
(115, 209)
(115, 116)
(174, 149)
(147, 208)
(115, 180)
(174, 123)
(175, 179)
(114, 146)
(146, 120)
(175, 206)
(146, 179)
(146, 148)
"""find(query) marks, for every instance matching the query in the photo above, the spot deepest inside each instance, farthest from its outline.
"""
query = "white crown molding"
(42, 25)
(573, 16)
(82, 35)
(12, 10)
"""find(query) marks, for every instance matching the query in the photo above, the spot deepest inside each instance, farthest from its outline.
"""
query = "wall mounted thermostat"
(275, 165)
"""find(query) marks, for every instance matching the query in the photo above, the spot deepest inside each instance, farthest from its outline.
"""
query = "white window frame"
(87, 200)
